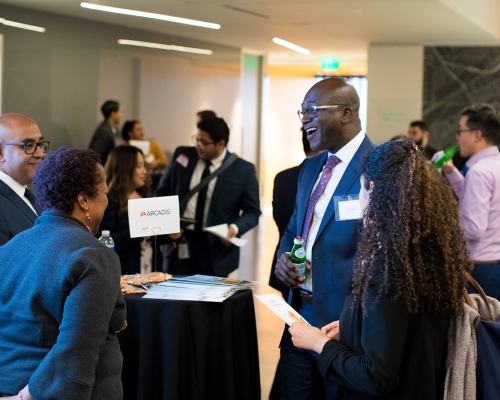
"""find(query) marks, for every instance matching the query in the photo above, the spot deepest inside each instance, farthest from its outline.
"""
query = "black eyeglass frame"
(43, 144)
(312, 112)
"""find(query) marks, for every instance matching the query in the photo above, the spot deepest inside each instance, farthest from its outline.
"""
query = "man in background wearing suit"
(22, 148)
(232, 198)
(330, 116)
(103, 140)
(284, 192)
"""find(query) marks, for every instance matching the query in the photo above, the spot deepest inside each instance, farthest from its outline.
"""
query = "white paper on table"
(144, 145)
(154, 216)
(221, 231)
(282, 309)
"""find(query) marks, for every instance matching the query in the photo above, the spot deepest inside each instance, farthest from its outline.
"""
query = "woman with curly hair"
(391, 339)
(127, 179)
(60, 295)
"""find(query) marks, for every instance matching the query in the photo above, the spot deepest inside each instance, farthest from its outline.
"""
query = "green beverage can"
(298, 256)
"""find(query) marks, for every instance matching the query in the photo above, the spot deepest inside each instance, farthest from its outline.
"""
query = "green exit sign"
(330, 64)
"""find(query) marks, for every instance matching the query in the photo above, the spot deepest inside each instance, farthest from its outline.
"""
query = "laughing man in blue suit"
(330, 117)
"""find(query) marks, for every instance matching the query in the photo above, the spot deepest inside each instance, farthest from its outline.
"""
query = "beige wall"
(61, 77)
(395, 85)
(281, 139)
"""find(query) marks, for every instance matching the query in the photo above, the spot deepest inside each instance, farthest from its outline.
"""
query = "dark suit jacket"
(236, 192)
(334, 249)
(284, 193)
(103, 141)
(387, 353)
(61, 305)
(15, 215)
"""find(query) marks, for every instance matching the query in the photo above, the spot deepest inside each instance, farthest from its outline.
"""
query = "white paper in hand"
(154, 216)
(282, 309)
(221, 231)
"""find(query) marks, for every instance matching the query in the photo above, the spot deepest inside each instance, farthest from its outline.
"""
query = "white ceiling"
(340, 28)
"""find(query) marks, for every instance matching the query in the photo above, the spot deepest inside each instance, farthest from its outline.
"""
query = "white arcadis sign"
(154, 216)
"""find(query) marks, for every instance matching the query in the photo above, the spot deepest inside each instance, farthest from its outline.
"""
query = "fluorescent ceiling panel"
(22, 26)
(144, 14)
(291, 46)
(165, 47)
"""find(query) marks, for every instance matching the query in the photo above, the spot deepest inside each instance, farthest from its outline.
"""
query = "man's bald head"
(16, 129)
(340, 90)
(332, 127)
(10, 123)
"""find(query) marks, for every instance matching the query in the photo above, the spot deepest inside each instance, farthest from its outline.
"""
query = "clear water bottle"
(107, 240)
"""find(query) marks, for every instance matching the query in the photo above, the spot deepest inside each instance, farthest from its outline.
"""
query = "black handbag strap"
(225, 165)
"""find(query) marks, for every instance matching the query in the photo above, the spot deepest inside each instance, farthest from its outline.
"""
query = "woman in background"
(127, 179)
(60, 295)
(391, 340)
(156, 159)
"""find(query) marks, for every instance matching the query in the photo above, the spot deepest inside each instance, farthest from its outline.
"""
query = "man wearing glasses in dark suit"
(230, 198)
(22, 148)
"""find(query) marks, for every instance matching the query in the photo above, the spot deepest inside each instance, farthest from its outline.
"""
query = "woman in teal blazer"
(60, 298)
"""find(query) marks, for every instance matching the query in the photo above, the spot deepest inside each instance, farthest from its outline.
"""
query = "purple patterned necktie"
(331, 162)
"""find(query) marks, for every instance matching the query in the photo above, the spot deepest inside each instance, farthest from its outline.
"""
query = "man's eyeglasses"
(460, 131)
(312, 112)
(200, 141)
(30, 145)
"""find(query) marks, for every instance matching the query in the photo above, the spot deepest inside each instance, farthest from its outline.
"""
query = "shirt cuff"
(235, 227)
(455, 176)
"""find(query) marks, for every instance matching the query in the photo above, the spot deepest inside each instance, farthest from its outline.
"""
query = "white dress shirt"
(345, 154)
(190, 211)
(16, 187)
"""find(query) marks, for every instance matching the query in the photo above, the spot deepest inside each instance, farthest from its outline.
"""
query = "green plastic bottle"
(298, 256)
(446, 156)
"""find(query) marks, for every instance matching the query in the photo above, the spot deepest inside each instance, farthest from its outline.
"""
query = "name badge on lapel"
(347, 207)
(183, 160)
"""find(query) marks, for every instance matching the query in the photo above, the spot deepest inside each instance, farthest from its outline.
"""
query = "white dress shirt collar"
(346, 153)
(13, 184)
(217, 162)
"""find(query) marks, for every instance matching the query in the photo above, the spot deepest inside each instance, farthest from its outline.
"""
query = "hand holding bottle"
(287, 272)
(446, 166)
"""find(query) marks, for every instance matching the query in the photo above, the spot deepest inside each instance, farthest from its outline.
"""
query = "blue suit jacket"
(334, 249)
(15, 215)
(236, 192)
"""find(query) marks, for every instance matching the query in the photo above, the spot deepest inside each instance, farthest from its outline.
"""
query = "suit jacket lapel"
(186, 174)
(308, 179)
(219, 184)
(17, 201)
(349, 179)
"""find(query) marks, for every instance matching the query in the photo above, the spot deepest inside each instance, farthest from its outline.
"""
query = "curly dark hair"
(120, 168)
(63, 175)
(412, 238)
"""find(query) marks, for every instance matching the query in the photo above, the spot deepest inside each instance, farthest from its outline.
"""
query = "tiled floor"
(269, 327)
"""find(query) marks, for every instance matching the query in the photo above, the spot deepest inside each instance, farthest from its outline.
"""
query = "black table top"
(177, 349)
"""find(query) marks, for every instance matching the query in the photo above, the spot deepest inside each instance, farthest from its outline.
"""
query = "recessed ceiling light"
(144, 14)
(164, 46)
(22, 26)
(291, 46)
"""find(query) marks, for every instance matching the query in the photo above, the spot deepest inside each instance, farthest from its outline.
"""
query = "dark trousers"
(199, 261)
(298, 369)
(488, 277)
